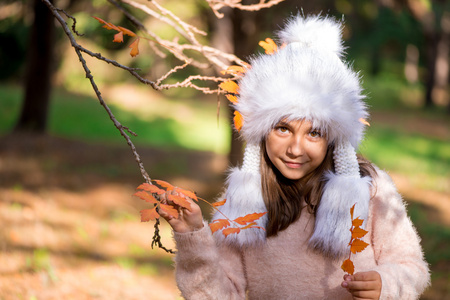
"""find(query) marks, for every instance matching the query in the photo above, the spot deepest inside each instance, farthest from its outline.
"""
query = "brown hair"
(284, 198)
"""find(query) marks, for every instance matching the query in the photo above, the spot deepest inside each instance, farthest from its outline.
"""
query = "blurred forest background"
(70, 228)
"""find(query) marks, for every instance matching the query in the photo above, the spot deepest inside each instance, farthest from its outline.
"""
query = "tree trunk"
(431, 58)
(37, 86)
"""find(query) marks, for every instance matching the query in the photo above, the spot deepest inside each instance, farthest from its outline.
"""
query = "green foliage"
(425, 159)
(195, 126)
(435, 237)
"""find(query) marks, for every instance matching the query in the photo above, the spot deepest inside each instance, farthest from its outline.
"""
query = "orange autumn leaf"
(151, 188)
(348, 266)
(134, 48)
(219, 203)
(232, 98)
(107, 25)
(358, 233)
(251, 225)
(118, 37)
(238, 120)
(218, 224)
(364, 121)
(180, 201)
(249, 218)
(234, 70)
(357, 222)
(187, 193)
(169, 209)
(164, 184)
(352, 210)
(126, 31)
(146, 197)
(269, 46)
(358, 246)
(149, 214)
(230, 87)
(231, 230)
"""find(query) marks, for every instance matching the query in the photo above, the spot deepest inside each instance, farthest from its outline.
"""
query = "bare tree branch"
(117, 124)
(209, 57)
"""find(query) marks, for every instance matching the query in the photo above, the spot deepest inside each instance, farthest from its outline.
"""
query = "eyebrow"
(282, 123)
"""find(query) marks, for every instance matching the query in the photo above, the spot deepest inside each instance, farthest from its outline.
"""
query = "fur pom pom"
(317, 32)
(243, 197)
(331, 234)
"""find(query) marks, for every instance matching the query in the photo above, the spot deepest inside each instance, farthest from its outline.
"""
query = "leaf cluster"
(356, 243)
(151, 193)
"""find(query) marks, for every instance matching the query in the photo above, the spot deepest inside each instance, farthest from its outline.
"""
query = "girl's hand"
(188, 219)
(363, 285)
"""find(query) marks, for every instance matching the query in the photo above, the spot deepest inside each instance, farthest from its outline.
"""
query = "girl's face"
(295, 148)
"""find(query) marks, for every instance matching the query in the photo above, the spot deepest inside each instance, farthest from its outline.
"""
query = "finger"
(361, 285)
(364, 295)
(366, 276)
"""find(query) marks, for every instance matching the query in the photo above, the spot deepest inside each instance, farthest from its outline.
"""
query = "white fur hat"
(306, 79)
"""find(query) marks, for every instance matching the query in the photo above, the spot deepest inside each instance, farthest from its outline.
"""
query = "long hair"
(285, 198)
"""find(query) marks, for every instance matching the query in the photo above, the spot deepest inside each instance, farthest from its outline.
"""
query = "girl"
(303, 117)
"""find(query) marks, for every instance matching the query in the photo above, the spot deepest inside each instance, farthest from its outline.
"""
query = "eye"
(315, 133)
(282, 129)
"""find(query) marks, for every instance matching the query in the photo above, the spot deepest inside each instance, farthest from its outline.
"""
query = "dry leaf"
(249, 218)
(151, 188)
(169, 210)
(118, 37)
(238, 120)
(230, 87)
(269, 45)
(357, 222)
(231, 230)
(218, 224)
(234, 70)
(219, 203)
(180, 201)
(187, 193)
(134, 48)
(364, 121)
(352, 209)
(126, 31)
(358, 233)
(348, 266)
(146, 196)
(107, 25)
(164, 184)
(358, 246)
(149, 214)
(232, 98)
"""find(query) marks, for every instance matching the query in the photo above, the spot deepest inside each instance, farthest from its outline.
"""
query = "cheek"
(319, 152)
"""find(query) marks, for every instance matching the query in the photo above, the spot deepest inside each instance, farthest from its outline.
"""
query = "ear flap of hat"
(244, 197)
(343, 189)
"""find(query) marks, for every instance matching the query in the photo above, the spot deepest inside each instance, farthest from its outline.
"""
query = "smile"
(293, 165)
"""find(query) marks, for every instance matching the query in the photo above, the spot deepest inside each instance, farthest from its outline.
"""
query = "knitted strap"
(251, 159)
(345, 160)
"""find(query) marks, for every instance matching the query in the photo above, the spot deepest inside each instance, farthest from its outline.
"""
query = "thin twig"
(117, 124)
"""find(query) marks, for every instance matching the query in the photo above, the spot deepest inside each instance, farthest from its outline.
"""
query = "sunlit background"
(70, 227)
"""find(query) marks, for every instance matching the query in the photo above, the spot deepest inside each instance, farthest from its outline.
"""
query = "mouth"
(293, 165)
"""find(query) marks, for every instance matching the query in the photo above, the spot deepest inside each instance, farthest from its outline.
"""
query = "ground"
(70, 225)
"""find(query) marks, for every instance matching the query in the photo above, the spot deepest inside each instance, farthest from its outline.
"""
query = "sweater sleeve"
(400, 262)
(205, 271)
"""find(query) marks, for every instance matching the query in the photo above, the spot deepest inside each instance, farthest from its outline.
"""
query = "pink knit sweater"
(285, 268)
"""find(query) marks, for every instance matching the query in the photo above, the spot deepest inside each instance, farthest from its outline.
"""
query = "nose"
(296, 146)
